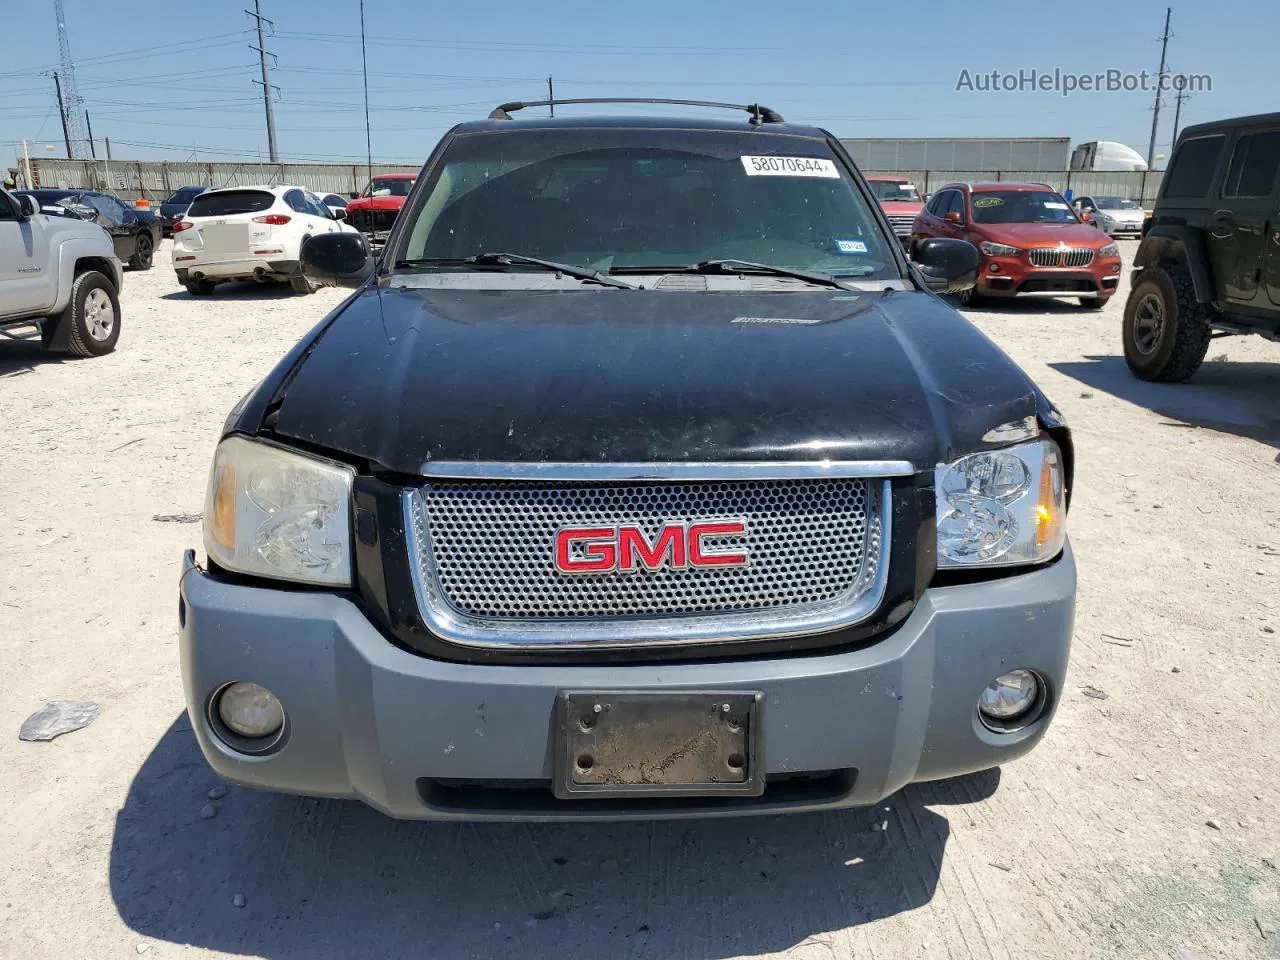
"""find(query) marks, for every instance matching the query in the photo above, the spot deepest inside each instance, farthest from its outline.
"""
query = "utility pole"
(551, 95)
(108, 139)
(1177, 109)
(74, 102)
(1155, 113)
(266, 78)
(364, 66)
(29, 181)
(93, 151)
(62, 112)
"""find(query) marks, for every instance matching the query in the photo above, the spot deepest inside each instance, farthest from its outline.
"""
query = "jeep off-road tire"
(972, 298)
(90, 324)
(1166, 330)
(199, 288)
(301, 283)
(143, 252)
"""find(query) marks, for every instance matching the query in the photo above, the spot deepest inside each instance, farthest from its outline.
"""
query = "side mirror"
(27, 207)
(338, 259)
(953, 216)
(947, 265)
(339, 214)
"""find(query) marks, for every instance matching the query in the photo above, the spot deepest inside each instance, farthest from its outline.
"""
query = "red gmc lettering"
(632, 546)
(677, 545)
(698, 554)
(599, 551)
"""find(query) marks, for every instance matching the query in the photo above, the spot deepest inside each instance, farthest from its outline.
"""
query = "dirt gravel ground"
(1146, 825)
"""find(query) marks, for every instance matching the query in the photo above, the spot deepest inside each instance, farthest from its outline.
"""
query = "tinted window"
(226, 202)
(1021, 206)
(333, 200)
(1253, 165)
(297, 201)
(1191, 170)
(8, 208)
(636, 199)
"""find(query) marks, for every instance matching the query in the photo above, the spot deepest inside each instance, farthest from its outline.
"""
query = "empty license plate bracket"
(627, 744)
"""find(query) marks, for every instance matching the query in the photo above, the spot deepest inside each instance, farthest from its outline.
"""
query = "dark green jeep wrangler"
(1209, 261)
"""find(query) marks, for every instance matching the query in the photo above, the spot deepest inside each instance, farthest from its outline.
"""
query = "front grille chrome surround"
(902, 224)
(1061, 256)
(482, 559)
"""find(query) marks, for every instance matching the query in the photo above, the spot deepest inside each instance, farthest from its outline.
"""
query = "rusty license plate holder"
(636, 744)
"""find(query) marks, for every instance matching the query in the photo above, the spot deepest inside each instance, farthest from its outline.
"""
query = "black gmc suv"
(1209, 261)
(641, 475)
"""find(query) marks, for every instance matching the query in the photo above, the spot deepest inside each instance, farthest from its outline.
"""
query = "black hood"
(403, 376)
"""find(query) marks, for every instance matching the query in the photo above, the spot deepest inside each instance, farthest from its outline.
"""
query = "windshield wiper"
(519, 259)
(733, 265)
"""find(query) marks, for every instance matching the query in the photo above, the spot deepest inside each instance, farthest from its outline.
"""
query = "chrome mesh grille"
(488, 547)
(902, 224)
(1061, 256)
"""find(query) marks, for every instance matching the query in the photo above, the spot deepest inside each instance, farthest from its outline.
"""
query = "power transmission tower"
(1155, 114)
(263, 53)
(73, 111)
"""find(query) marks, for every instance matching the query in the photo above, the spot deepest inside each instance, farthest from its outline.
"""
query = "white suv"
(249, 233)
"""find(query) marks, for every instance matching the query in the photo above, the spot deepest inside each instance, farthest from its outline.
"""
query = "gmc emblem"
(679, 545)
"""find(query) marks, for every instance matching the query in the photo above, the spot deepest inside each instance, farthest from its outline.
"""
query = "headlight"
(998, 249)
(1002, 508)
(271, 512)
(1112, 249)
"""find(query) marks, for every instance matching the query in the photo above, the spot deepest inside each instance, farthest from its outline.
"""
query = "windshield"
(226, 202)
(1116, 203)
(185, 195)
(894, 190)
(388, 188)
(648, 199)
(1021, 206)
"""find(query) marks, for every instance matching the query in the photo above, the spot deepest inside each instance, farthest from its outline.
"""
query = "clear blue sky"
(164, 81)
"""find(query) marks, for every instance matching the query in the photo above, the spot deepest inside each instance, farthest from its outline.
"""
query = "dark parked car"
(1209, 261)
(134, 233)
(642, 476)
(173, 209)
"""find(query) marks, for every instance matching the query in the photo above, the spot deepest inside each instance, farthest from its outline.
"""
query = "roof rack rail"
(759, 114)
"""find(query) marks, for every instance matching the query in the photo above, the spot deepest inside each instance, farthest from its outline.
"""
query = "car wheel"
(301, 283)
(1094, 303)
(199, 288)
(92, 318)
(1166, 330)
(971, 297)
(143, 252)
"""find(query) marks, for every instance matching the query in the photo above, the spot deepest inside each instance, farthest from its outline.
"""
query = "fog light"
(994, 268)
(250, 710)
(1009, 695)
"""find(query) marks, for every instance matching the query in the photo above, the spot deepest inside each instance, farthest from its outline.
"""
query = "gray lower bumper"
(423, 738)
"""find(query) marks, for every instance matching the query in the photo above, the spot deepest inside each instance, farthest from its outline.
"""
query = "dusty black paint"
(404, 376)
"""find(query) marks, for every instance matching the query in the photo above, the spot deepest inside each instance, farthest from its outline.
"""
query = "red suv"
(1032, 243)
(376, 209)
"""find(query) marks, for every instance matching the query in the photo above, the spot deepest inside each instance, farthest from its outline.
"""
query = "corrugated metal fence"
(132, 179)
(155, 180)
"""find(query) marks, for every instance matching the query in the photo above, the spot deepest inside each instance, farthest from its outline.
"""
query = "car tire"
(1166, 330)
(303, 284)
(971, 297)
(199, 288)
(144, 251)
(1094, 303)
(90, 324)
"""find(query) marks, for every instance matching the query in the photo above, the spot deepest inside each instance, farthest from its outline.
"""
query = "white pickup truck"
(59, 275)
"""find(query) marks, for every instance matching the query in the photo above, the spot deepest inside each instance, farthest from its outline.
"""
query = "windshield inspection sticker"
(980, 202)
(790, 167)
(1056, 205)
(850, 246)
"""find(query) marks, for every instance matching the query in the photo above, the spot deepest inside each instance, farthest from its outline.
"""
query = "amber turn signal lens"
(1049, 502)
(223, 520)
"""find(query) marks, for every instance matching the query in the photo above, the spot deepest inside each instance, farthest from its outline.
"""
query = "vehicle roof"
(52, 191)
(1000, 185)
(1255, 119)
(706, 124)
(278, 190)
(883, 179)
